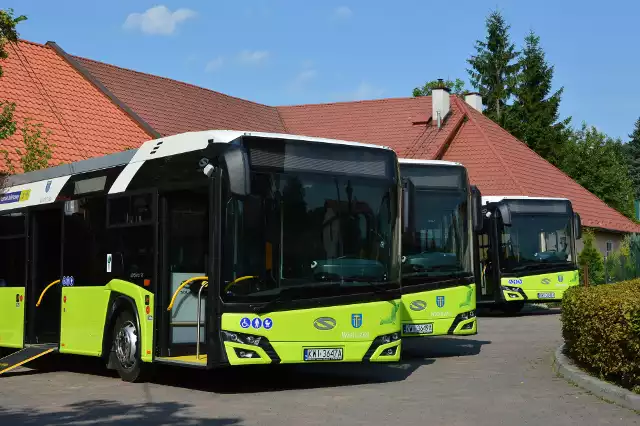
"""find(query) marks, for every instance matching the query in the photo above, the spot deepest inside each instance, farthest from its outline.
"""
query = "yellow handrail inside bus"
(45, 290)
(237, 280)
(189, 281)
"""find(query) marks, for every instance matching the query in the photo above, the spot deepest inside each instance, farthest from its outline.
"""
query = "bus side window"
(131, 243)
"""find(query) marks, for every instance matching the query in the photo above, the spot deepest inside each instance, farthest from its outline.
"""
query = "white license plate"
(417, 328)
(323, 354)
(546, 295)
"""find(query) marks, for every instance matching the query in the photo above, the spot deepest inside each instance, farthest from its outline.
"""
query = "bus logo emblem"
(560, 278)
(48, 186)
(324, 323)
(440, 301)
(418, 305)
(356, 320)
(545, 281)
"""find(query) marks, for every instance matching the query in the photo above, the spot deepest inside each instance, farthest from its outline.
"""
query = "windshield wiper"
(373, 285)
(539, 265)
(286, 293)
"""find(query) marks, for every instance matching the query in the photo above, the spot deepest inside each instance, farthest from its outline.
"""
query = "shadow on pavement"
(526, 312)
(441, 346)
(111, 413)
(247, 379)
(254, 379)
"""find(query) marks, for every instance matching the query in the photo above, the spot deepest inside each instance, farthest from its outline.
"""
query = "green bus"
(441, 210)
(526, 251)
(205, 249)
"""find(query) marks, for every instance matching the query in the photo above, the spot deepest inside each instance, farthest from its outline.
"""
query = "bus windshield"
(439, 245)
(314, 234)
(535, 241)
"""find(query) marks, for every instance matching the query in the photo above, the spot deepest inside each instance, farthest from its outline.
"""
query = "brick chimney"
(474, 100)
(440, 103)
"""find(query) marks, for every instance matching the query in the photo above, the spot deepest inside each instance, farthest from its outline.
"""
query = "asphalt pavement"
(501, 376)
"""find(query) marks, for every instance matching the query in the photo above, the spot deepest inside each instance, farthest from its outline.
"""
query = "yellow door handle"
(189, 281)
(45, 290)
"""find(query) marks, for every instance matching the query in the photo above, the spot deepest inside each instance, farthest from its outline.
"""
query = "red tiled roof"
(500, 164)
(400, 123)
(497, 162)
(83, 122)
(172, 107)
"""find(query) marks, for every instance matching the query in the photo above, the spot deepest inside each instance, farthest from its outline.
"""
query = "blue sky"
(289, 52)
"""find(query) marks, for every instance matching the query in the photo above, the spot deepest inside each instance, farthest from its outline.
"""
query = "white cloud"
(158, 20)
(342, 13)
(214, 64)
(302, 79)
(362, 92)
(254, 57)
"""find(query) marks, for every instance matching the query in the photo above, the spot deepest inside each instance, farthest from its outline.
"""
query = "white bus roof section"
(44, 186)
(192, 141)
(429, 162)
(497, 198)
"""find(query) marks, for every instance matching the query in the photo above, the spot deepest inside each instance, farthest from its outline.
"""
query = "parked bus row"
(229, 248)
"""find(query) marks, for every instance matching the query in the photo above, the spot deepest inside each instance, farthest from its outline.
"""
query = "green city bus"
(205, 249)
(441, 210)
(526, 251)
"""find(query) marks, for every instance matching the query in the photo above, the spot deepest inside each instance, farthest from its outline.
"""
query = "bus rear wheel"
(126, 348)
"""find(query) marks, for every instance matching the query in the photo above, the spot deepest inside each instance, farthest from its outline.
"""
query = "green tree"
(36, 151)
(632, 151)
(8, 34)
(597, 162)
(591, 257)
(533, 116)
(494, 68)
(457, 87)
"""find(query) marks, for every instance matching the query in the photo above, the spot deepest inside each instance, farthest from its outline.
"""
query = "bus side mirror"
(476, 206)
(408, 196)
(505, 213)
(578, 226)
(237, 162)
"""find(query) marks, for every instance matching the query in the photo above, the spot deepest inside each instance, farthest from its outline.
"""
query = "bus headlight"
(387, 338)
(245, 339)
(467, 315)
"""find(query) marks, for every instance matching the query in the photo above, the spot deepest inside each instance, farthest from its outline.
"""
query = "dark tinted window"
(131, 210)
(12, 225)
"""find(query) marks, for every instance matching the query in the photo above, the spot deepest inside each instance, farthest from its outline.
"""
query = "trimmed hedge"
(601, 328)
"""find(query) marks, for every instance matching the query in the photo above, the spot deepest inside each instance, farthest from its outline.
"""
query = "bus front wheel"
(126, 348)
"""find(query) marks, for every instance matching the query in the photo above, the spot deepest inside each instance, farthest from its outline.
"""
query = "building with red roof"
(133, 106)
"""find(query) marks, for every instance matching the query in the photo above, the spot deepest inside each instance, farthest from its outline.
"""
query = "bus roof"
(429, 162)
(176, 144)
(497, 198)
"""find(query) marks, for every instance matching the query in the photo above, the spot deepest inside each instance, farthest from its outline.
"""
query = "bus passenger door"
(13, 279)
(184, 224)
(45, 255)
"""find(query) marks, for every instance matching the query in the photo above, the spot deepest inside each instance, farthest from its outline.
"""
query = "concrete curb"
(567, 369)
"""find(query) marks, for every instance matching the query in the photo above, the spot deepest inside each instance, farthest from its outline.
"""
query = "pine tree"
(456, 87)
(494, 68)
(632, 151)
(533, 117)
(598, 163)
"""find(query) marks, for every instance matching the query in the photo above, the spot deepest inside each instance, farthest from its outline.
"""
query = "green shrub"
(601, 328)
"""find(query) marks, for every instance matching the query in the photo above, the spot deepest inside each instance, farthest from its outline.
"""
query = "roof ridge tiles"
(172, 80)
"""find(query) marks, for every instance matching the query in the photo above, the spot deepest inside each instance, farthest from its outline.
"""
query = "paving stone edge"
(567, 369)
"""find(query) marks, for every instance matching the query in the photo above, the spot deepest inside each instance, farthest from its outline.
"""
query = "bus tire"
(126, 348)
